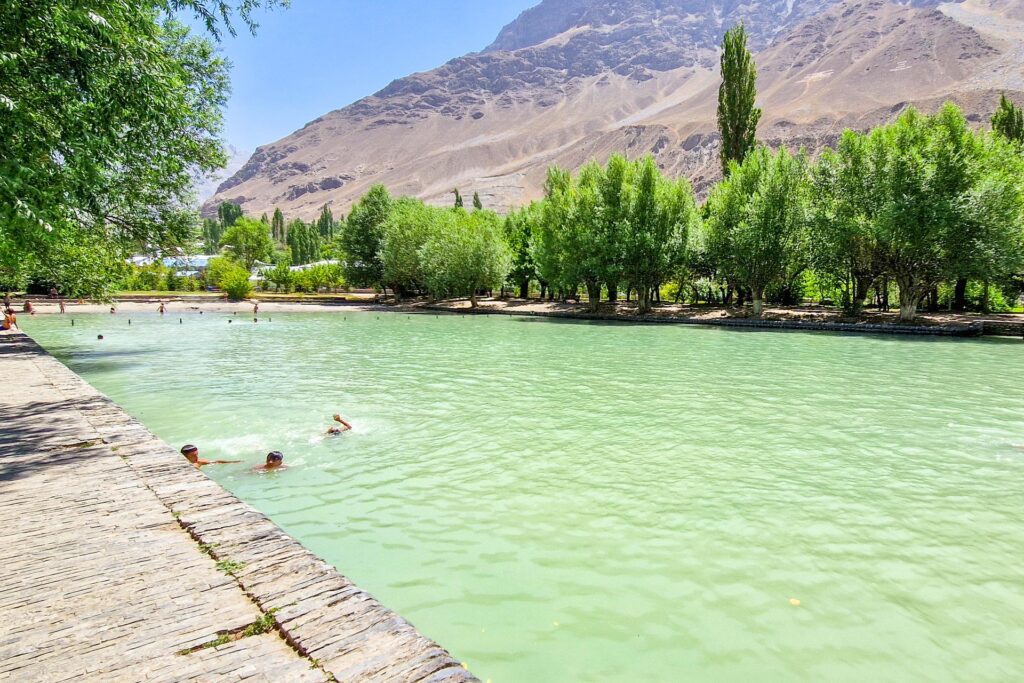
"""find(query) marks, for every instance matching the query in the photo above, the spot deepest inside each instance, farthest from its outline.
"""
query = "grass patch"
(230, 566)
(207, 549)
(265, 624)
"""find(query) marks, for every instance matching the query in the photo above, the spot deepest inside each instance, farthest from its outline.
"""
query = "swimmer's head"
(190, 452)
(275, 458)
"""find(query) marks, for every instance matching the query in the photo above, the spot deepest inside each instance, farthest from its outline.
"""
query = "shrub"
(236, 283)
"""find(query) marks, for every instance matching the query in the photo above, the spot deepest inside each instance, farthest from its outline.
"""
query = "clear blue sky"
(321, 55)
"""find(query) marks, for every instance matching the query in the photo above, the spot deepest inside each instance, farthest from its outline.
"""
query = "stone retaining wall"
(323, 615)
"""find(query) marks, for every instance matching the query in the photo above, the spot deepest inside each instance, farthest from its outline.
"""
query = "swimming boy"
(345, 426)
(275, 461)
(191, 454)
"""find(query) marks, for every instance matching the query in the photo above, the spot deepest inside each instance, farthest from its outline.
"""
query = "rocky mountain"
(573, 80)
(206, 186)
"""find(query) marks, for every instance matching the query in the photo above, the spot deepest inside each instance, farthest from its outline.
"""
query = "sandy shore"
(212, 306)
(803, 315)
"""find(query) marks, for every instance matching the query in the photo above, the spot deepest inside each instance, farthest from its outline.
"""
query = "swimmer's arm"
(223, 462)
(346, 424)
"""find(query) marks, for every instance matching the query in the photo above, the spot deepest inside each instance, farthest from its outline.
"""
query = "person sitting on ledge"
(275, 461)
(10, 320)
(191, 454)
(345, 426)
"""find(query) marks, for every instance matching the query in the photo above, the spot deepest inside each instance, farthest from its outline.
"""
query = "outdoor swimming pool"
(561, 501)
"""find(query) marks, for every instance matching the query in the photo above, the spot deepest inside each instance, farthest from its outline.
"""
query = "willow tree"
(842, 246)
(467, 256)
(519, 230)
(661, 214)
(757, 218)
(737, 115)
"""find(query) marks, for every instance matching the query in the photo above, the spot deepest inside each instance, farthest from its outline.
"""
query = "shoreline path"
(122, 563)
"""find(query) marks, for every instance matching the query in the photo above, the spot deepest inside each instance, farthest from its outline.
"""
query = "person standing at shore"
(61, 304)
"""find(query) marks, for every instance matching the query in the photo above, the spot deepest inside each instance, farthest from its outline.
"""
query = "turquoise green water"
(559, 501)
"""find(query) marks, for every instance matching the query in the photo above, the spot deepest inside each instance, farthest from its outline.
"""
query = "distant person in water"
(113, 310)
(163, 308)
(191, 454)
(275, 461)
(29, 308)
(256, 308)
(61, 302)
(345, 426)
(10, 320)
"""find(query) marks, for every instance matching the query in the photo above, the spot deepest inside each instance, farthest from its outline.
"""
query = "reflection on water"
(587, 502)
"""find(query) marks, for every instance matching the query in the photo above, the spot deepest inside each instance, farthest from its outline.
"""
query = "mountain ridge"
(585, 78)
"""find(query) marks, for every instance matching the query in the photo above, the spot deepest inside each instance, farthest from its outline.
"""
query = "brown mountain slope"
(574, 80)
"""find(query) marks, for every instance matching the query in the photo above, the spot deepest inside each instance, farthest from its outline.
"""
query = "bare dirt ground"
(808, 313)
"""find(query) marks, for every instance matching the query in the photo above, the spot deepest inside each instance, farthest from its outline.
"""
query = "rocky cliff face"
(572, 80)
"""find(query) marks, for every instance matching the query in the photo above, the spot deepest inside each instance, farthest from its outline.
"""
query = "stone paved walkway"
(110, 560)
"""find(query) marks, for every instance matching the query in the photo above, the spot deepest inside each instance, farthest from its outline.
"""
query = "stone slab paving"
(104, 577)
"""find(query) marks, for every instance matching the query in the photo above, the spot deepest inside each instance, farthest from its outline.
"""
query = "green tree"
(282, 277)
(661, 215)
(325, 224)
(842, 247)
(362, 237)
(228, 214)
(519, 229)
(212, 231)
(458, 198)
(277, 229)
(408, 227)
(1008, 120)
(108, 112)
(469, 256)
(236, 282)
(248, 241)
(921, 171)
(757, 220)
(477, 204)
(548, 245)
(737, 115)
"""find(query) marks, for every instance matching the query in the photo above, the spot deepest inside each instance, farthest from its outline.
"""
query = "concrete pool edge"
(339, 627)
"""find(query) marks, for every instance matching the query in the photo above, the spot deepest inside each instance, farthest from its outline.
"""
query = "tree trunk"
(960, 295)
(613, 292)
(933, 300)
(472, 299)
(984, 297)
(629, 291)
(741, 296)
(524, 289)
(543, 290)
(909, 299)
(643, 300)
(594, 294)
(757, 295)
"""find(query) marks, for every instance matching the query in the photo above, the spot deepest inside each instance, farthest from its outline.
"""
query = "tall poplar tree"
(458, 198)
(1008, 120)
(277, 226)
(325, 224)
(477, 204)
(737, 115)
